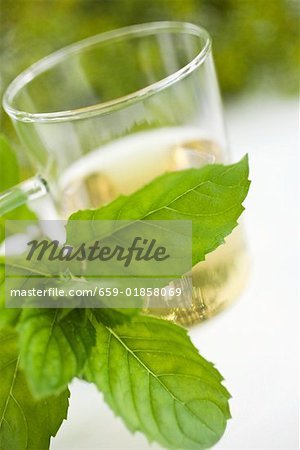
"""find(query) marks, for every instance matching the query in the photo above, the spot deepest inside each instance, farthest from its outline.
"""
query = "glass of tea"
(104, 116)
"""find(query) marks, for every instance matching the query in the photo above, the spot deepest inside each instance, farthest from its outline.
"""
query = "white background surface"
(253, 343)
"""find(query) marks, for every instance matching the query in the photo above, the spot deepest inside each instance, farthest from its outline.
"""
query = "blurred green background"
(255, 42)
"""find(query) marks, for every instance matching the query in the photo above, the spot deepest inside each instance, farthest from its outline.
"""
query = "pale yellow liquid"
(125, 166)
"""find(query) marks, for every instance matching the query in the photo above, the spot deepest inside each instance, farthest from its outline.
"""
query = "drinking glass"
(104, 116)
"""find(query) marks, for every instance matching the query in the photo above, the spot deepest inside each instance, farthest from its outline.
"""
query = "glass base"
(217, 282)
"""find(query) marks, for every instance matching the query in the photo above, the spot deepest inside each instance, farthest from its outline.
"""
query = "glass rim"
(54, 58)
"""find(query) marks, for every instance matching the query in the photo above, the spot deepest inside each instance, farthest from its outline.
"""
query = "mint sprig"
(148, 369)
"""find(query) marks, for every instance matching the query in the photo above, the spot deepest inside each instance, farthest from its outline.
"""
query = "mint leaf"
(25, 424)
(211, 197)
(54, 347)
(155, 380)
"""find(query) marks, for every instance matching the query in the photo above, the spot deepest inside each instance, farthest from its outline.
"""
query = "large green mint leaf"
(25, 424)
(54, 347)
(211, 197)
(155, 380)
(10, 177)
